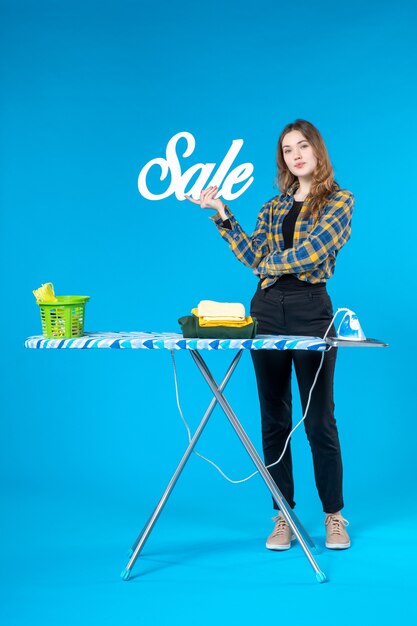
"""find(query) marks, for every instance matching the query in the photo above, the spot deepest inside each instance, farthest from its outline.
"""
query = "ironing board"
(173, 342)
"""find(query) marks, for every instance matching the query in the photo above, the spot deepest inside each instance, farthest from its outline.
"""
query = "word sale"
(240, 177)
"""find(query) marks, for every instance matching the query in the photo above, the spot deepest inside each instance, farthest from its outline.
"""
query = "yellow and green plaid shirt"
(315, 245)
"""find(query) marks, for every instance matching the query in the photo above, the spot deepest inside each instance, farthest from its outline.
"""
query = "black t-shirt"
(288, 225)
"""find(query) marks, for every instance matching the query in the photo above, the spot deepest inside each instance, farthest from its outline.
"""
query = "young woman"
(293, 250)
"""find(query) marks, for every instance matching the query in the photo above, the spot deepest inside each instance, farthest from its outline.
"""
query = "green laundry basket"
(63, 319)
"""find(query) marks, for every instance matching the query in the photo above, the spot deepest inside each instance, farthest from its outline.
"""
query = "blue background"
(91, 92)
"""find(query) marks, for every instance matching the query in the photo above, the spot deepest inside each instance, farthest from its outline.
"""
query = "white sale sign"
(223, 178)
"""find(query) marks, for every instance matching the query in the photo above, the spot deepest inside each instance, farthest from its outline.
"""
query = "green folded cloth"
(191, 329)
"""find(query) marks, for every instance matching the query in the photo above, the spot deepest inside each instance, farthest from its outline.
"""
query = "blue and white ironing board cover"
(175, 341)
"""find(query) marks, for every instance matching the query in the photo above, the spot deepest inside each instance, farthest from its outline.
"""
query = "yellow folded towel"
(210, 310)
(230, 323)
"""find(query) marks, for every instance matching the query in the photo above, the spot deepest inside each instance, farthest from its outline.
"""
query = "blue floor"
(62, 555)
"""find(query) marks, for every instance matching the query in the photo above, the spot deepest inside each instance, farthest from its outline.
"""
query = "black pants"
(307, 311)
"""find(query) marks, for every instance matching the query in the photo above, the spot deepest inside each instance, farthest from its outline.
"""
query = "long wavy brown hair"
(323, 183)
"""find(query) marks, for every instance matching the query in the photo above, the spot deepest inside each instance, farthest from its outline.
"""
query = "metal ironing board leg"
(147, 529)
(292, 519)
(277, 495)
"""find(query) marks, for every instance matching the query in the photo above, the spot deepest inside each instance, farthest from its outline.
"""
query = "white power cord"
(242, 480)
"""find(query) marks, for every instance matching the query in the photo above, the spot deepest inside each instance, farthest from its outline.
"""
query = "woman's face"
(298, 154)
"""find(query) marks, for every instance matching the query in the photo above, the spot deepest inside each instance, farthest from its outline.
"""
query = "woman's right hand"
(208, 201)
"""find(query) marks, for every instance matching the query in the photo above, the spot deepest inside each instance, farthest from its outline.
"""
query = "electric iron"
(349, 327)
